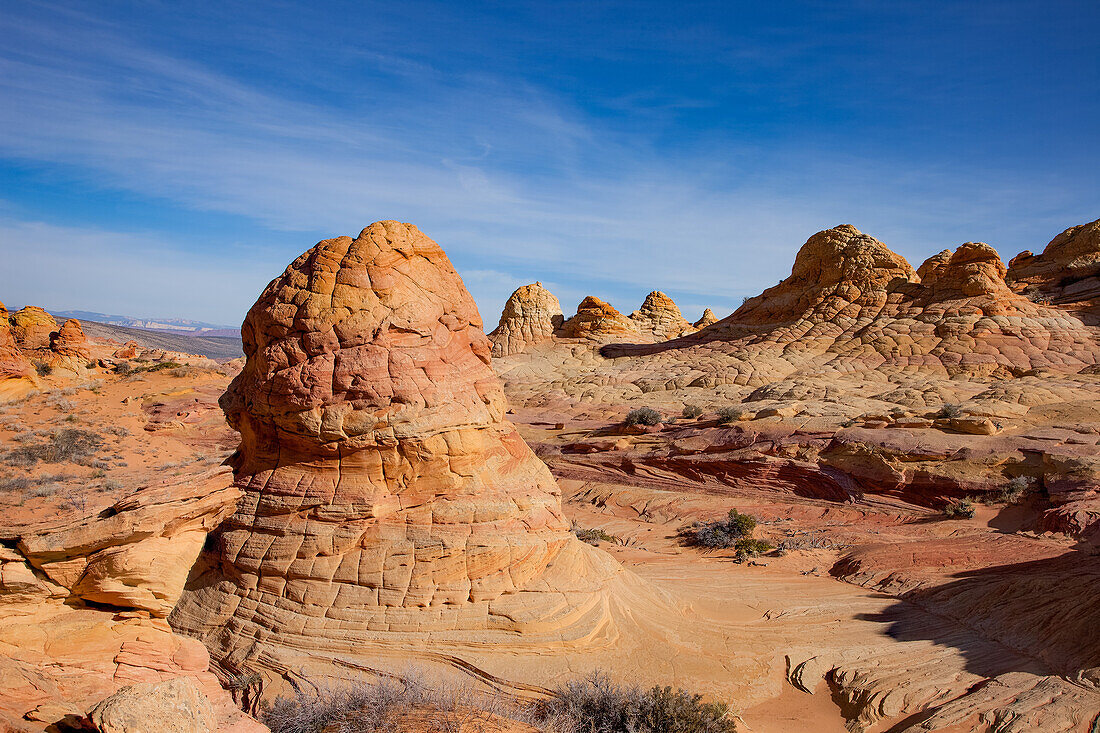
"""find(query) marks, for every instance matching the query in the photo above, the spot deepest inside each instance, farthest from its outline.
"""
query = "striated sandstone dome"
(16, 373)
(530, 317)
(31, 327)
(706, 319)
(385, 494)
(661, 316)
(595, 318)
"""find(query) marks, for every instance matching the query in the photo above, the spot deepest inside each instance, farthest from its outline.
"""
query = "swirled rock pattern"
(16, 372)
(386, 498)
(530, 317)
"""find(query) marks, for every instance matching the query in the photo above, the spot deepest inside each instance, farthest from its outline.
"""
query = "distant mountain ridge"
(174, 325)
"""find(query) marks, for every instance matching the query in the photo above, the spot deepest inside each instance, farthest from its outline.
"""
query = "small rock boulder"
(174, 706)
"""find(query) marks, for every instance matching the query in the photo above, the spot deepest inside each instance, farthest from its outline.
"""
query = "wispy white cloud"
(512, 179)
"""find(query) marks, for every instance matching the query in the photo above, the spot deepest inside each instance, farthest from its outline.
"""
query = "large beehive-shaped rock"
(385, 493)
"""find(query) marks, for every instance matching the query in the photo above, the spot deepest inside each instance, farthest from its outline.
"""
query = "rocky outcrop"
(16, 372)
(1065, 274)
(661, 316)
(706, 319)
(388, 503)
(129, 350)
(69, 349)
(83, 601)
(174, 706)
(596, 319)
(31, 327)
(531, 316)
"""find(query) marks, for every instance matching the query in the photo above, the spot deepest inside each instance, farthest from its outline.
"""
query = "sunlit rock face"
(384, 490)
(530, 317)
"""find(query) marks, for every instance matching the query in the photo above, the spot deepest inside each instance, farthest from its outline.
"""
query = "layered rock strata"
(596, 319)
(387, 502)
(31, 327)
(661, 316)
(16, 372)
(531, 316)
(83, 602)
(1066, 273)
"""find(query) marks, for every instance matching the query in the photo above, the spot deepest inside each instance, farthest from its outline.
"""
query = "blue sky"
(168, 159)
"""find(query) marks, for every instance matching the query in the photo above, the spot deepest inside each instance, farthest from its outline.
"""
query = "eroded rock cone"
(595, 318)
(530, 317)
(385, 494)
(70, 349)
(706, 319)
(31, 327)
(661, 316)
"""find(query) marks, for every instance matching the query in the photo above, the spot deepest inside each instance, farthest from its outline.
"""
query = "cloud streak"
(515, 180)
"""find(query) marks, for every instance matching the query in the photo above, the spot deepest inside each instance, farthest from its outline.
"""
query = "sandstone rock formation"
(596, 319)
(387, 500)
(70, 350)
(855, 334)
(16, 372)
(531, 316)
(83, 601)
(706, 319)
(174, 706)
(1066, 273)
(31, 327)
(660, 316)
(129, 350)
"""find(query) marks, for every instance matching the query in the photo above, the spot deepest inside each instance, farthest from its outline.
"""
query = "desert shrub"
(691, 412)
(364, 707)
(124, 368)
(950, 410)
(43, 368)
(15, 483)
(1015, 489)
(728, 415)
(594, 704)
(642, 416)
(593, 536)
(747, 547)
(961, 509)
(69, 444)
(721, 533)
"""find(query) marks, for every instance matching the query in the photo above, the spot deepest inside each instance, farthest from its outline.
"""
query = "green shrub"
(961, 509)
(950, 410)
(691, 412)
(593, 536)
(642, 416)
(728, 415)
(597, 705)
(747, 548)
(720, 534)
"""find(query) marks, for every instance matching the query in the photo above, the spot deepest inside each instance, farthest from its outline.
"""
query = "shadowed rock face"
(384, 491)
(530, 317)
(16, 373)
